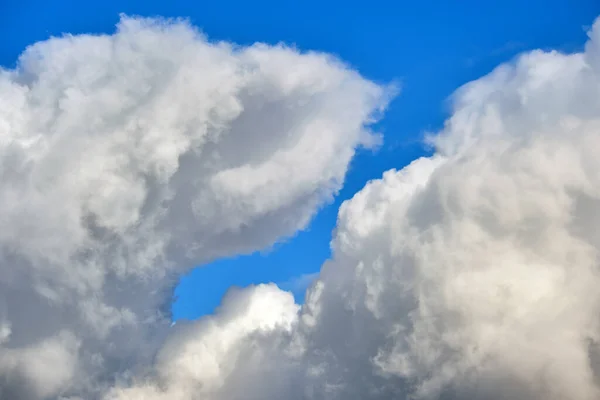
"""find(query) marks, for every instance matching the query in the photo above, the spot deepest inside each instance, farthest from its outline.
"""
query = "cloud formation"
(127, 159)
(472, 274)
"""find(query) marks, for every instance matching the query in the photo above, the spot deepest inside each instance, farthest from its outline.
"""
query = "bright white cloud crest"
(471, 274)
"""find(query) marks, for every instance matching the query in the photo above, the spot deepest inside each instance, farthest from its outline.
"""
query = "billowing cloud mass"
(472, 274)
(127, 159)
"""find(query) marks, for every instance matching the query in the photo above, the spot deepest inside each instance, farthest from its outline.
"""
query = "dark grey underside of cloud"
(471, 274)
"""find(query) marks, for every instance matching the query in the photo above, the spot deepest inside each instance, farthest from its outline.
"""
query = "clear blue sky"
(431, 47)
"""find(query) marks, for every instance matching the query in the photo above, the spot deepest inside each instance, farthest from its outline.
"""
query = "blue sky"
(430, 47)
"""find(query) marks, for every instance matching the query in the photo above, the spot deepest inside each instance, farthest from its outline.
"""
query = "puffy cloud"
(471, 274)
(127, 159)
(200, 359)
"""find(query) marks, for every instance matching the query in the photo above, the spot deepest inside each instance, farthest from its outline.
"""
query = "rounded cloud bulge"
(470, 274)
(127, 159)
